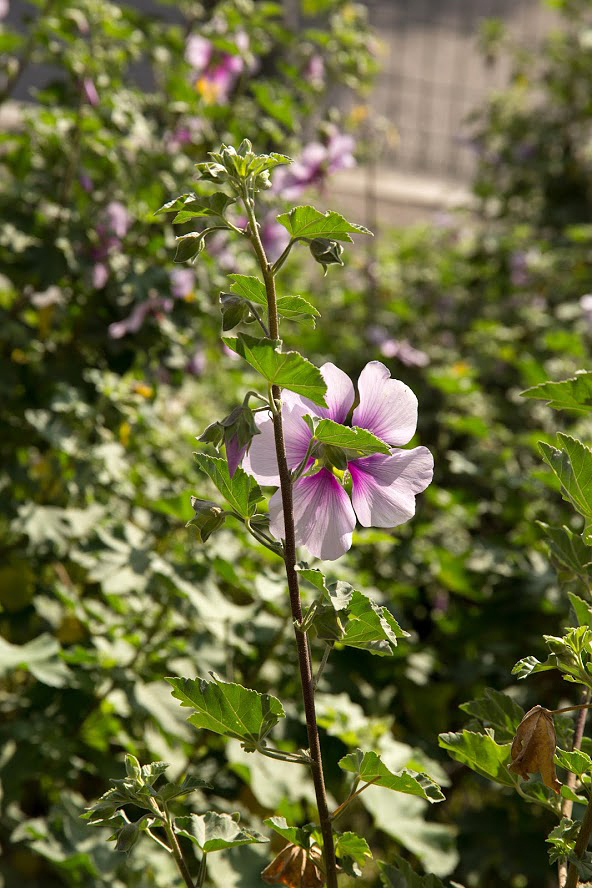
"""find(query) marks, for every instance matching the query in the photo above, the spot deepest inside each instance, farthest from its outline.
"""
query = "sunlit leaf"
(369, 768)
(216, 832)
(227, 708)
(306, 222)
(286, 369)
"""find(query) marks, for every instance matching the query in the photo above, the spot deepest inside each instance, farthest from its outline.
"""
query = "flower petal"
(384, 487)
(323, 516)
(339, 397)
(387, 408)
(261, 461)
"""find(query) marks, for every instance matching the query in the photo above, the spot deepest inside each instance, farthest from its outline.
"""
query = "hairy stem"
(176, 851)
(580, 847)
(304, 663)
(567, 804)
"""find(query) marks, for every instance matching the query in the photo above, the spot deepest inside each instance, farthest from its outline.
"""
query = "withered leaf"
(533, 747)
(296, 868)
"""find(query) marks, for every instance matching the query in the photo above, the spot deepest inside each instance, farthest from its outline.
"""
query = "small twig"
(280, 755)
(279, 262)
(339, 810)
(323, 663)
(258, 318)
(572, 709)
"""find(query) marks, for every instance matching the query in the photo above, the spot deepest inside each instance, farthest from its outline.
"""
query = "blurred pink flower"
(314, 71)
(215, 73)
(182, 282)
(317, 161)
(274, 237)
(404, 352)
(196, 363)
(135, 320)
(89, 92)
(198, 52)
(113, 225)
(383, 485)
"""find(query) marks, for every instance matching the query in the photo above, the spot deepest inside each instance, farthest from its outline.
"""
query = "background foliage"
(111, 365)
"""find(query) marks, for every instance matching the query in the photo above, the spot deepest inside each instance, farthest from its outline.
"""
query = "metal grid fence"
(433, 74)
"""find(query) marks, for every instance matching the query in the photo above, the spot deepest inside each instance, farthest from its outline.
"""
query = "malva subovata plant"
(516, 745)
(331, 467)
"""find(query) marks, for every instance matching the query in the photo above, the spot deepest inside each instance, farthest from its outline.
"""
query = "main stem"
(306, 677)
(580, 847)
(567, 804)
(174, 846)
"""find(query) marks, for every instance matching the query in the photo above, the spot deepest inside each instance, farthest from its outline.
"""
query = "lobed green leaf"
(216, 832)
(241, 491)
(572, 464)
(285, 369)
(369, 767)
(227, 708)
(308, 223)
(569, 394)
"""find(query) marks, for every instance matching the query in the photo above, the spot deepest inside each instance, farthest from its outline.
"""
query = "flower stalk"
(289, 555)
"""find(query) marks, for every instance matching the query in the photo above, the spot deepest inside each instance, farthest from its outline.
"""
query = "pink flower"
(316, 162)
(89, 92)
(383, 485)
(198, 52)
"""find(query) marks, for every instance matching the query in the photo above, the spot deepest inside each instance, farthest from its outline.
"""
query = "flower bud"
(326, 252)
(208, 518)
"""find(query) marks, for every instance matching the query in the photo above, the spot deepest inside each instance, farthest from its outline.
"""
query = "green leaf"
(360, 441)
(348, 844)
(291, 307)
(570, 394)
(295, 308)
(570, 555)
(369, 767)
(497, 710)
(371, 627)
(399, 874)
(40, 657)
(213, 205)
(338, 594)
(227, 708)
(286, 369)
(308, 223)
(583, 865)
(189, 246)
(249, 287)
(562, 838)
(170, 791)
(575, 761)
(294, 834)
(241, 491)
(529, 665)
(216, 832)
(404, 818)
(572, 464)
(582, 610)
(481, 753)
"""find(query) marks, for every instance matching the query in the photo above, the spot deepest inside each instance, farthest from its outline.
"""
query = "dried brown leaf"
(296, 868)
(533, 747)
